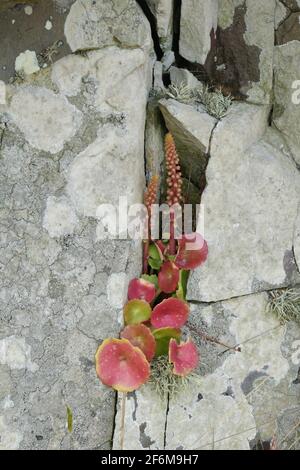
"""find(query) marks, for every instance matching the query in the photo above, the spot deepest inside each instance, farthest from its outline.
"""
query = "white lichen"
(27, 63)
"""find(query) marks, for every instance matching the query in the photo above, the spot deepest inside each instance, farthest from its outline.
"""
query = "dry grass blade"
(285, 305)
(165, 383)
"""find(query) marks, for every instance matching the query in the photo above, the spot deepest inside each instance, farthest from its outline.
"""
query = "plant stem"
(213, 340)
(145, 256)
(122, 429)
(172, 243)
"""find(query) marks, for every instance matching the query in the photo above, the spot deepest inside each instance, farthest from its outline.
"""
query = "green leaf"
(162, 337)
(136, 311)
(151, 278)
(69, 419)
(154, 263)
(154, 259)
(153, 252)
(182, 285)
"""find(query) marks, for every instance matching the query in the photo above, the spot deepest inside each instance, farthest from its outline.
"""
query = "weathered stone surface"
(41, 114)
(239, 396)
(163, 12)
(238, 399)
(192, 130)
(144, 421)
(293, 5)
(297, 240)
(250, 207)
(154, 141)
(198, 24)
(286, 116)
(179, 76)
(96, 23)
(289, 30)
(62, 289)
(11, 3)
(245, 48)
(281, 13)
(20, 32)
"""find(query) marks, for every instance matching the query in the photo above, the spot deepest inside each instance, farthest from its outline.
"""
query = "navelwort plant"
(150, 345)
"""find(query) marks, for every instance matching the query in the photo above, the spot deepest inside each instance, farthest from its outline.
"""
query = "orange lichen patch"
(141, 289)
(168, 277)
(141, 337)
(183, 356)
(136, 311)
(172, 313)
(192, 251)
(121, 366)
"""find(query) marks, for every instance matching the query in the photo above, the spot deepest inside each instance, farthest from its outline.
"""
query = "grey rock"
(163, 13)
(95, 23)
(286, 116)
(192, 130)
(179, 76)
(61, 287)
(198, 24)
(244, 60)
(249, 211)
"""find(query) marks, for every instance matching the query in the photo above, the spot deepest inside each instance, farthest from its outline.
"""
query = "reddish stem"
(145, 256)
(213, 340)
(172, 243)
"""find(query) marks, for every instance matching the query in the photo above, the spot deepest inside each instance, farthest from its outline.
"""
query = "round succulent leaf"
(171, 312)
(136, 311)
(162, 337)
(151, 278)
(141, 337)
(121, 365)
(141, 289)
(183, 356)
(192, 251)
(168, 277)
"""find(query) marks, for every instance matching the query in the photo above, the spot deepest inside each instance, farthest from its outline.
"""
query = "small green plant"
(215, 102)
(285, 304)
(181, 92)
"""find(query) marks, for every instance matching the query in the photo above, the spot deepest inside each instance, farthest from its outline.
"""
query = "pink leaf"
(184, 357)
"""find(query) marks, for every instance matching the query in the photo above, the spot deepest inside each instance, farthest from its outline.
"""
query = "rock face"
(249, 228)
(245, 48)
(286, 115)
(62, 287)
(11, 3)
(94, 23)
(79, 136)
(198, 25)
(289, 30)
(239, 399)
(163, 11)
(191, 129)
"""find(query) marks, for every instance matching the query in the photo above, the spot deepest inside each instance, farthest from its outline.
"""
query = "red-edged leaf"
(121, 366)
(192, 251)
(168, 277)
(141, 289)
(172, 313)
(184, 356)
(141, 337)
(136, 311)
